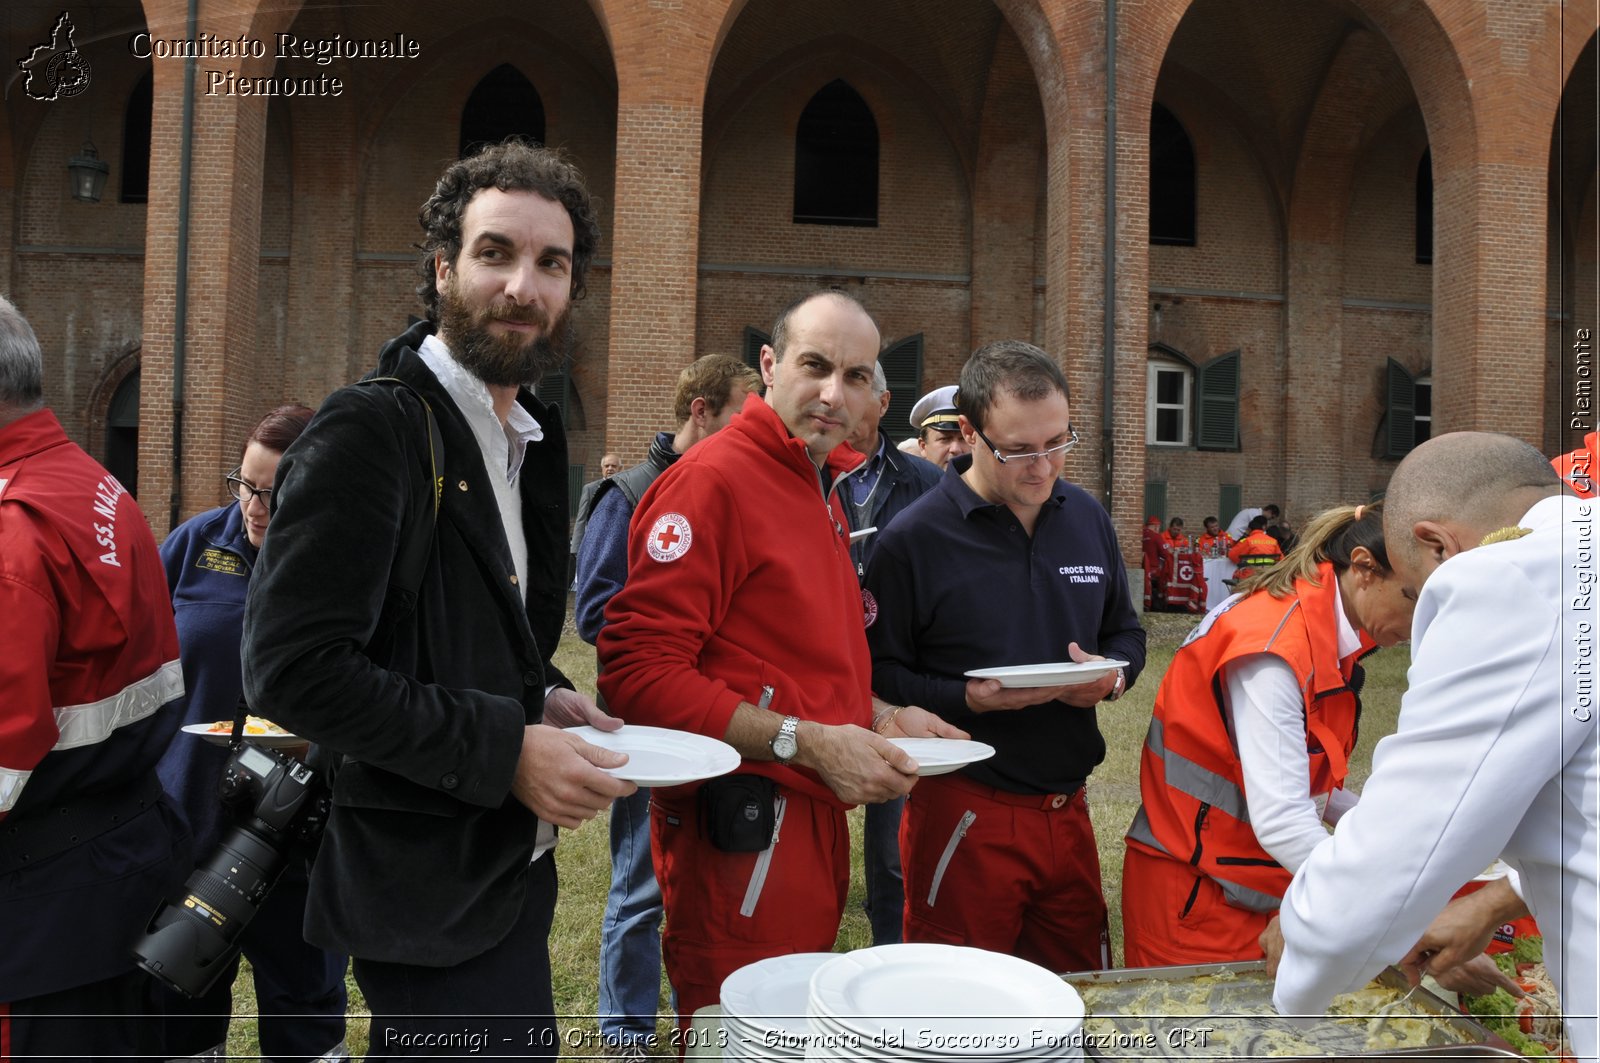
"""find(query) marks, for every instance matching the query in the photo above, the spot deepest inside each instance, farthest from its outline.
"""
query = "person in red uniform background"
(1215, 542)
(92, 694)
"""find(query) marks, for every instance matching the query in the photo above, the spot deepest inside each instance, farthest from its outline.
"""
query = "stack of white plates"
(941, 1003)
(764, 1007)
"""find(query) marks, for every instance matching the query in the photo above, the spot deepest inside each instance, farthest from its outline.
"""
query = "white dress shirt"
(503, 446)
(1496, 754)
(1267, 713)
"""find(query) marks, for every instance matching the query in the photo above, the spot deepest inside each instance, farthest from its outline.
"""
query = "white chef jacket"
(1496, 754)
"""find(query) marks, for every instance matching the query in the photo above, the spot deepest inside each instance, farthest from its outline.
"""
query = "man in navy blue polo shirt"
(1005, 563)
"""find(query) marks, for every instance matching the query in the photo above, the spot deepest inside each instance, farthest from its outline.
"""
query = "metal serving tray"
(1454, 1036)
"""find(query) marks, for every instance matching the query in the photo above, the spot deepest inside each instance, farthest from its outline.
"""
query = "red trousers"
(1012, 873)
(1157, 931)
(726, 910)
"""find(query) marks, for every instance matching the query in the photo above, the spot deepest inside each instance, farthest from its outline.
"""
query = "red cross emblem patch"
(670, 537)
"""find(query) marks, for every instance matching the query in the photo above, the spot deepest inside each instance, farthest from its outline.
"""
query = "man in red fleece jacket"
(741, 618)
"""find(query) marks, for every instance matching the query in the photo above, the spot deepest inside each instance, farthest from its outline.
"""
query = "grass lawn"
(583, 857)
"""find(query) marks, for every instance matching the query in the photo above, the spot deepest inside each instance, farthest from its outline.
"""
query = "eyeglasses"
(244, 490)
(1049, 454)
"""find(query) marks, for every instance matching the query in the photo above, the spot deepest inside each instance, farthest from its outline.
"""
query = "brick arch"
(864, 67)
(1331, 150)
(471, 53)
(118, 368)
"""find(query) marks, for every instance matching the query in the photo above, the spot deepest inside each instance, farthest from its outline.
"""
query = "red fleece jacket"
(739, 577)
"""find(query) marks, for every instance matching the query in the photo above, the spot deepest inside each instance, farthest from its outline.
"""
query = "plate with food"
(259, 730)
(1059, 674)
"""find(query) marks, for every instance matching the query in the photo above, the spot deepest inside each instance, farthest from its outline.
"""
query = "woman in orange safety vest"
(1227, 816)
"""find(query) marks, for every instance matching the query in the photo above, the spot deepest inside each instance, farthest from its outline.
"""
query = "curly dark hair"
(513, 165)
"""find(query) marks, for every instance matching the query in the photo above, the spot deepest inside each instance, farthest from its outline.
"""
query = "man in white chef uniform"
(1496, 751)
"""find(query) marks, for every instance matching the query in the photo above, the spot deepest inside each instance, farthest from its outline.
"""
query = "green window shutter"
(902, 368)
(1217, 405)
(754, 340)
(1230, 500)
(1400, 398)
(554, 389)
(1155, 501)
(575, 484)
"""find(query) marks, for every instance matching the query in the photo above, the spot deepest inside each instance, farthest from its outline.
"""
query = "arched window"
(503, 104)
(136, 141)
(836, 160)
(1172, 181)
(1425, 209)
(122, 433)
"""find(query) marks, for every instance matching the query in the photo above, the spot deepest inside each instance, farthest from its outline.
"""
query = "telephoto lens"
(282, 806)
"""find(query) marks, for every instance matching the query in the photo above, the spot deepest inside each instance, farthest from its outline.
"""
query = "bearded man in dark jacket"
(438, 698)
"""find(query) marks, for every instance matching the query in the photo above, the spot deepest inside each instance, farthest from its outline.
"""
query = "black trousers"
(498, 1003)
(114, 1019)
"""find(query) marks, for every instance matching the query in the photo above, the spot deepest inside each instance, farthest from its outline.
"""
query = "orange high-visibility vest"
(1254, 552)
(1190, 779)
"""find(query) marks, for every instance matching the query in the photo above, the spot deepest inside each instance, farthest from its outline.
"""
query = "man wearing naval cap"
(938, 426)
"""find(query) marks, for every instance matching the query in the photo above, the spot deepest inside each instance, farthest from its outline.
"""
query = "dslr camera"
(281, 806)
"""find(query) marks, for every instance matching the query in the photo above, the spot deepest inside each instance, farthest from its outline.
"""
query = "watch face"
(783, 746)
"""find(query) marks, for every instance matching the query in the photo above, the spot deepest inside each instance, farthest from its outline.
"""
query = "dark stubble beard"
(508, 360)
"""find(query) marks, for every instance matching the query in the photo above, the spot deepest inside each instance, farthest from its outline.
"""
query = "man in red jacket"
(91, 692)
(741, 619)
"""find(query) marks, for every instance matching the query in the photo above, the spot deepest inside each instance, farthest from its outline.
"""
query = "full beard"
(510, 359)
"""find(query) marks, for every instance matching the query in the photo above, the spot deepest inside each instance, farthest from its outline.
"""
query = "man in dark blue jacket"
(889, 482)
(435, 874)
(1006, 563)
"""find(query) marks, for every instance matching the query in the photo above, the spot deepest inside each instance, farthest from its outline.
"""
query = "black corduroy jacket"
(425, 857)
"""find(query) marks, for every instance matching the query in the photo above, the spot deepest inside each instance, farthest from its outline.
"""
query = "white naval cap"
(936, 409)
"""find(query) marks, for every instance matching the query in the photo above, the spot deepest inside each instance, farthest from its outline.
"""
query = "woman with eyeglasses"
(1249, 744)
(300, 991)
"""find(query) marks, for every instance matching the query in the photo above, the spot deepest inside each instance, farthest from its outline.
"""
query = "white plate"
(961, 1002)
(1060, 674)
(937, 756)
(222, 738)
(659, 756)
(771, 994)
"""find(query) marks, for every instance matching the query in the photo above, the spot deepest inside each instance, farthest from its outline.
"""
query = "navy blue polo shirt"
(958, 584)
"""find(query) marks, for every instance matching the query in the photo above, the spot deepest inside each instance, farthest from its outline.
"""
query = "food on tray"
(1532, 1025)
(1229, 1013)
(253, 725)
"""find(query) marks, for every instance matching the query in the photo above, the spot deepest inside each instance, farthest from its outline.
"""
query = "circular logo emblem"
(669, 537)
(1185, 572)
(68, 74)
(869, 608)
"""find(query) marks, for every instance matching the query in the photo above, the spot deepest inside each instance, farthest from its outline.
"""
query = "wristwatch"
(783, 744)
(1122, 685)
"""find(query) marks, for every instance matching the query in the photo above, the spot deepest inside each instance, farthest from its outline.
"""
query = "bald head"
(1453, 490)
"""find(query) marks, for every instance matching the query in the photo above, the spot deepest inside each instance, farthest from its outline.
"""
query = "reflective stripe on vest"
(1235, 894)
(87, 724)
(1196, 781)
(11, 783)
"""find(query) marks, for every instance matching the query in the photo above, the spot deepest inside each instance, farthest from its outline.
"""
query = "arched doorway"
(122, 433)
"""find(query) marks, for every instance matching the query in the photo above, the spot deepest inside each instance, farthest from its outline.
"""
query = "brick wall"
(1307, 125)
